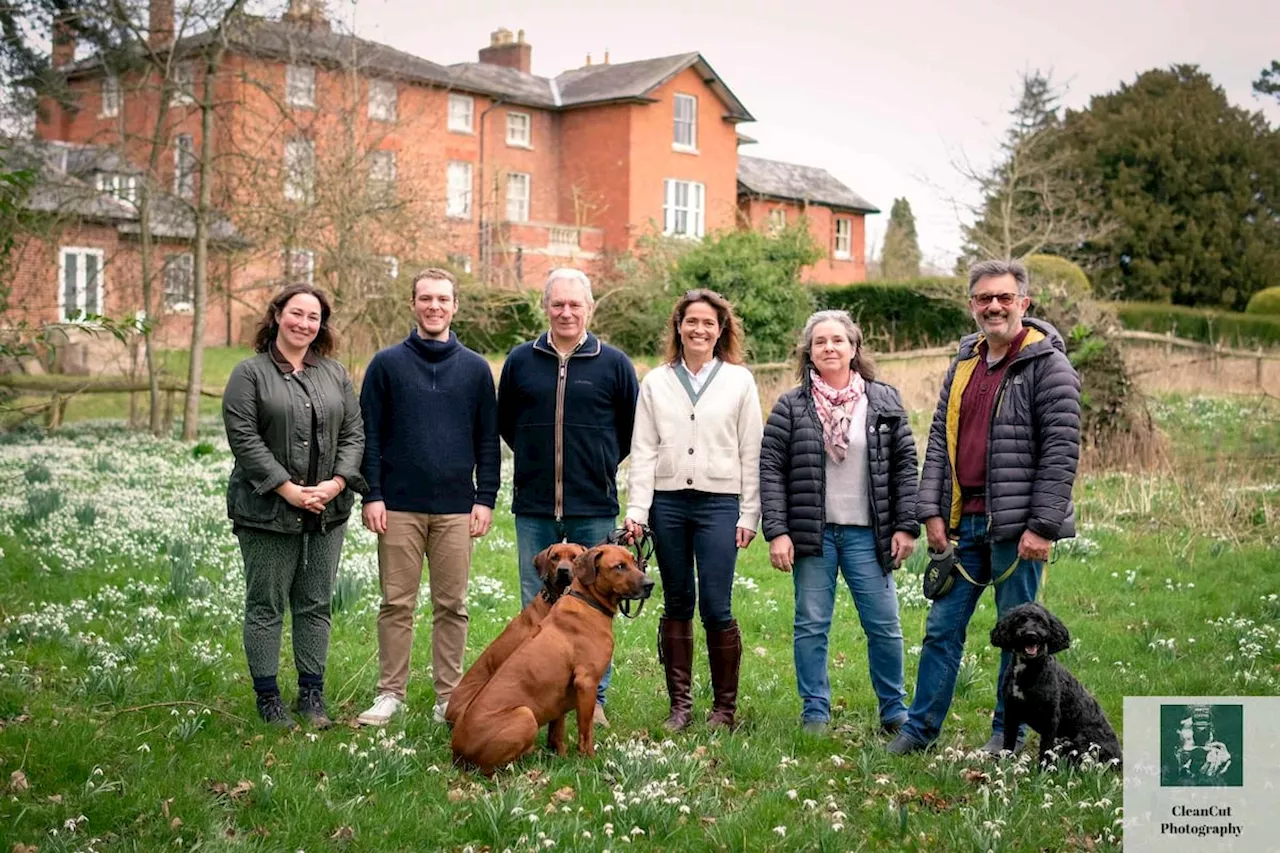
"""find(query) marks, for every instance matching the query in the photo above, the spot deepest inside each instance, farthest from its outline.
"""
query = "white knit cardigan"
(711, 447)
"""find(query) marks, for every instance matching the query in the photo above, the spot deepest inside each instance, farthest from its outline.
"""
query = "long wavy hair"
(862, 362)
(326, 341)
(728, 346)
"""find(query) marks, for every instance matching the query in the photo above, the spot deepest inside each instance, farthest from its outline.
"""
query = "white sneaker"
(437, 713)
(386, 706)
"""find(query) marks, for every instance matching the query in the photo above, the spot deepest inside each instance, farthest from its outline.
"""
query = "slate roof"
(578, 87)
(65, 185)
(792, 182)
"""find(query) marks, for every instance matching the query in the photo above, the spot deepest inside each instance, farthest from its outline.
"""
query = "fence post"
(1217, 359)
(1257, 369)
(1168, 344)
(53, 419)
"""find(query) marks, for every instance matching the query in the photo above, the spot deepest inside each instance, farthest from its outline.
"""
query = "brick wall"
(755, 213)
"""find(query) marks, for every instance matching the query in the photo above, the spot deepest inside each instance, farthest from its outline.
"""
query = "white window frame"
(393, 266)
(382, 172)
(122, 187)
(462, 111)
(299, 168)
(688, 123)
(184, 262)
(301, 266)
(184, 84)
(519, 193)
(516, 137)
(300, 85)
(777, 219)
(684, 209)
(457, 199)
(184, 166)
(382, 100)
(845, 253)
(110, 96)
(69, 314)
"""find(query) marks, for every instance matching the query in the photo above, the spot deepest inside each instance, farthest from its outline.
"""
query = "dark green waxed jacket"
(267, 414)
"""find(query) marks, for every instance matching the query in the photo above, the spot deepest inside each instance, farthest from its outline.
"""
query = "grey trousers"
(296, 570)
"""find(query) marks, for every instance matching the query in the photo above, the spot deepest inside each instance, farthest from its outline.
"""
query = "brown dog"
(555, 671)
(555, 567)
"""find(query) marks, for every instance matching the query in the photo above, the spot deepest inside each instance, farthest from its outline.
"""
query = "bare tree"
(1031, 200)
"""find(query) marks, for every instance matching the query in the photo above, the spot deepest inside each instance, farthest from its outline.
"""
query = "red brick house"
(486, 164)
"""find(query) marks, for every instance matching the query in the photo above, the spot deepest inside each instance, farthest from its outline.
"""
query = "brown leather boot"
(724, 648)
(675, 651)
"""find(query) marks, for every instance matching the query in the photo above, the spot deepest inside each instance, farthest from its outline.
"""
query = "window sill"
(458, 217)
(684, 149)
(841, 256)
(115, 114)
(464, 131)
(384, 119)
(521, 145)
(297, 106)
(180, 308)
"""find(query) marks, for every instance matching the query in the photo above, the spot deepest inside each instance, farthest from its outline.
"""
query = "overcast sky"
(885, 95)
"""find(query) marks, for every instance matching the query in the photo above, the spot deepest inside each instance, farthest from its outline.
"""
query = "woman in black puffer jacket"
(838, 494)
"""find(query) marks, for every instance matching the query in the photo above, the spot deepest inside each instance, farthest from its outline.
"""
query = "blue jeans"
(851, 550)
(948, 622)
(535, 533)
(696, 529)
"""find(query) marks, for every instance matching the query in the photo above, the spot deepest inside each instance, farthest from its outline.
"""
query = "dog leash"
(642, 548)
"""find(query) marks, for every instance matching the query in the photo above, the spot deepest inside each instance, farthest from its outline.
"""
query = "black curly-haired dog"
(1040, 692)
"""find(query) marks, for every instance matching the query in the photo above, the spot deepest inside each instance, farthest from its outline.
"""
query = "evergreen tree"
(1268, 82)
(1192, 184)
(900, 257)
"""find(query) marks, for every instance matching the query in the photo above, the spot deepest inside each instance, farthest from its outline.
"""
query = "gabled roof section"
(624, 81)
(508, 83)
(792, 182)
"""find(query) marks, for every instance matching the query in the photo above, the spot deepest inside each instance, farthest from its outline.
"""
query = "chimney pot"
(606, 56)
(64, 43)
(588, 59)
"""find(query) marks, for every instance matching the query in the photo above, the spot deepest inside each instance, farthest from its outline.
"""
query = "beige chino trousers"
(445, 540)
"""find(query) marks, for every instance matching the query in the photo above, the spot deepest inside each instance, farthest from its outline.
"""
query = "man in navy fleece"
(566, 407)
(432, 460)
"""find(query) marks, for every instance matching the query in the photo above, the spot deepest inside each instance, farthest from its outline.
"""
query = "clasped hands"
(312, 498)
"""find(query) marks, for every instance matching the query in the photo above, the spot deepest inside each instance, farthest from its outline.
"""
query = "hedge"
(897, 315)
(1229, 328)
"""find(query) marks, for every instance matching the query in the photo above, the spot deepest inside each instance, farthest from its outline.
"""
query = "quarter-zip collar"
(588, 347)
(432, 350)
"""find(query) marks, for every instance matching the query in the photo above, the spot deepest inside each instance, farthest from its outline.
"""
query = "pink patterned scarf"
(835, 411)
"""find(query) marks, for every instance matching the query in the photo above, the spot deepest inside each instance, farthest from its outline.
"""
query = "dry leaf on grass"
(564, 795)
(975, 776)
(343, 833)
(18, 782)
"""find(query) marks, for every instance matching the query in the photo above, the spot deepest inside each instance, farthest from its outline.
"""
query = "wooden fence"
(61, 389)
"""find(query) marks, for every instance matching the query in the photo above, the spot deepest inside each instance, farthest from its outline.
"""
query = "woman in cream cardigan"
(695, 481)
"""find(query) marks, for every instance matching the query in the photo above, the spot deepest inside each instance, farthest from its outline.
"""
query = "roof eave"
(743, 189)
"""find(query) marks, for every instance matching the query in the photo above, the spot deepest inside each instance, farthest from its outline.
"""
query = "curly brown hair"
(269, 326)
(728, 346)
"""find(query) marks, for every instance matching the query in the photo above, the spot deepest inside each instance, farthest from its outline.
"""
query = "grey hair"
(567, 274)
(996, 268)
(862, 362)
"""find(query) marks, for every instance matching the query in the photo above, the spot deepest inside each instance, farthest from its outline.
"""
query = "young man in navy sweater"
(432, 461)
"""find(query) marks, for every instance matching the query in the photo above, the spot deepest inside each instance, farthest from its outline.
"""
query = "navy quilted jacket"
(1034, 444)
(793, 471)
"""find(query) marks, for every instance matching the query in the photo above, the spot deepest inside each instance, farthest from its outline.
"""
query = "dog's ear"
(542, 562)
(584, 566)
(1002, 633)
(1059, 636)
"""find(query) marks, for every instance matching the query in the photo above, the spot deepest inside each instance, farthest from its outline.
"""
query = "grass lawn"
(127, 718)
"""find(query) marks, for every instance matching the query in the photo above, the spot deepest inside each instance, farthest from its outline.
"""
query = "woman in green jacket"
(293, 423)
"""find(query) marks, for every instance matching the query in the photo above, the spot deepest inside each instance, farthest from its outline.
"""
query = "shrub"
(1229, 328)
(1059, 270)
(1265, 302)
(204, 448)
(897, 315)
(494, 320)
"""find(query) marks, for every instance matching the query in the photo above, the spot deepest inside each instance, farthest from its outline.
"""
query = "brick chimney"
(507, 51)
(64, 43)
(160, 23)
(308, 14)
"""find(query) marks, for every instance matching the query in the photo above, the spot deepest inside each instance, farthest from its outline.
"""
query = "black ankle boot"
(274, 713)
(311, 708)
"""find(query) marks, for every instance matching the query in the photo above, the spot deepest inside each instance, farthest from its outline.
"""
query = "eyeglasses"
(982, 300)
